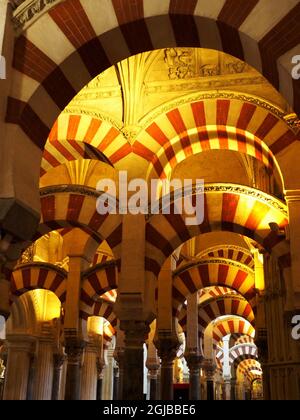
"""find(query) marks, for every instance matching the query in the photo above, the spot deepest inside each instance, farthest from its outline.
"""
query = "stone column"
(209, 369)
(107, 373)
(167, 347)
(116, 381)
(18, 364)
(152, 364)
(89, 373)
(44, 370)
(193, 351)
(194, 361)
(74, 350)
(136, 333)
(58, 361)
(119, 357)
(153, 381)
(31, 378)
(100, 366)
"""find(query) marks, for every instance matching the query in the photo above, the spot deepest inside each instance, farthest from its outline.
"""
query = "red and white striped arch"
(212, 272)
(102, 309)
(83, 137)
(39, 276)
(62, 209)
(91, 36)
(231, 124)
(205, 295)
(241, 352)
(248, 368)
(98, 281)
(244, 339)
(214, 292)
(231, 325)
(233, 208)
(227, 305)
(230, 252)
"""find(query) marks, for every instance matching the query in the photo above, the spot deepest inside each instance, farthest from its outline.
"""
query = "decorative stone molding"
(95, 114)
(219, 94)
(228, 188)
(225, 247)
(26, 10)
(213, 261)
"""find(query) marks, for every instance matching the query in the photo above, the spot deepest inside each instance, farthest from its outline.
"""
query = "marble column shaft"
(17, 371)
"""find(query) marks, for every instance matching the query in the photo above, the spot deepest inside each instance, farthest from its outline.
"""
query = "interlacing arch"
(38, 275)
(227, 207)
(76, 137)
(75, 206)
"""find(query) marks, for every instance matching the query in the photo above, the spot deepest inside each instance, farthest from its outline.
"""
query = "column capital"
(167, 346)
(74, 349)
(194, 359)
(136, 332)
(209, 368)
(292, 195)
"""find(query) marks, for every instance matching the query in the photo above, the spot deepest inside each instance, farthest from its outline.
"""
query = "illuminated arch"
(99, 280)
(211, 272)
(75, 206)
(231, 325)
(220, 121)
(83, 137)
(233, 208)
(39, 276)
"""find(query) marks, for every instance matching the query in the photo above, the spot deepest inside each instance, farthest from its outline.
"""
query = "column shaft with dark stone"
(167, 349)
(194, 364)
(58, 361)
(74, 350)
(116, 383)
(136, 333)
(209, 369)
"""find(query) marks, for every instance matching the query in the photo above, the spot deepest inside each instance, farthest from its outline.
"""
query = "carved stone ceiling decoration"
(127, 96)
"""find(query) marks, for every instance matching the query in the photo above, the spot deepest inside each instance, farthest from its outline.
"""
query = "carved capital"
(209, 369)
(167, 347)
(74, 349)
(136, 332)
(194, 360)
